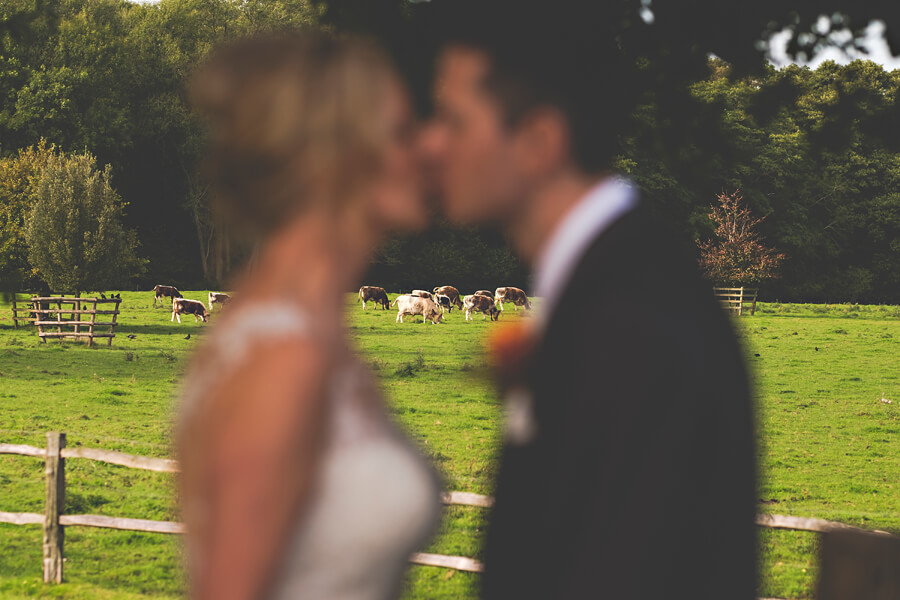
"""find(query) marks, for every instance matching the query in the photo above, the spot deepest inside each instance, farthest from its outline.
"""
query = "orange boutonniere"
(509, 350)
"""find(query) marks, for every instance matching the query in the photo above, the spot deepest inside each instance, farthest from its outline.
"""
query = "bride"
(296, 484)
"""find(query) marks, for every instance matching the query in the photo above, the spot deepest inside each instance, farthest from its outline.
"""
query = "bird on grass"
(131, 336)
(187, 337)
(102, 295)
(817, 348)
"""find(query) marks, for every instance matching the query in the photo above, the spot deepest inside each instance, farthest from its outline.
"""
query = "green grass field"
(827, 441)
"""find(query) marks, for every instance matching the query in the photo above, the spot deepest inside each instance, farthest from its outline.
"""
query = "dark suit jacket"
(640, 482)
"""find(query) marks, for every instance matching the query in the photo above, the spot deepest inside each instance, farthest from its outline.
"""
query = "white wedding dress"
(375, 499)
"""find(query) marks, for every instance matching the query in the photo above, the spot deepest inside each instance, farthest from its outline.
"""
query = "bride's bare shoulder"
(264, 349)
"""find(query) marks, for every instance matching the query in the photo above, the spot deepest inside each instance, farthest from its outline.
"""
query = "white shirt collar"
(594, 213)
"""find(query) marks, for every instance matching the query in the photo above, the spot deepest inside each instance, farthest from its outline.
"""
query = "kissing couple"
(628, 463)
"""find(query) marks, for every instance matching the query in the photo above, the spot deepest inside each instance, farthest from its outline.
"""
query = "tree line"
(104, 78)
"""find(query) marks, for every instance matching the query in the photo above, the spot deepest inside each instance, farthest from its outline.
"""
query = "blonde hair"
(290, 117)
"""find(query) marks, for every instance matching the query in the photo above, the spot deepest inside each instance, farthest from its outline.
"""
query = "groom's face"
(475, 158)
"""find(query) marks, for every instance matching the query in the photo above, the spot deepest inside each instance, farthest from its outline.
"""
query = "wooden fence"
(29, 317)
(874, 551)
(737, 299)
(40, 313)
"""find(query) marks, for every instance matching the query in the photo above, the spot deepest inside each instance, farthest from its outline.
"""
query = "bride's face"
(396, 202)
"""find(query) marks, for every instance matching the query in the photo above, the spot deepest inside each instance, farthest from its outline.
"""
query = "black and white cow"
(443, 302)
(451, 292)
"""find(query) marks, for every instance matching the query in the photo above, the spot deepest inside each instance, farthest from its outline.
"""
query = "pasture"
(828, 443)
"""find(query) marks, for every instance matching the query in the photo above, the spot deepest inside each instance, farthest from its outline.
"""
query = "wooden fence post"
(40, 318)
(77, 315)
(858, 564)
(93, 319)
(112, 325)
(15, 314)
(54, 534)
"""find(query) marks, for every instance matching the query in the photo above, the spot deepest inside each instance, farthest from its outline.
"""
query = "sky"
(875, 45)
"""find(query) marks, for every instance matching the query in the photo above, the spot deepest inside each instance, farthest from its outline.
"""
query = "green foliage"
(829, 204)
(468, 259)
(75, 237)
(17, 177)
(815, 151)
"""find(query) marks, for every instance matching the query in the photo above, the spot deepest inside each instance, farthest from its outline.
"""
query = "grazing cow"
(421, 294)
(443, 302)
(183, 306)
(163, 291)
(376, 294)
(482, 304)
(511, 294)
(451, 292)
(407, 304)
(218, 298)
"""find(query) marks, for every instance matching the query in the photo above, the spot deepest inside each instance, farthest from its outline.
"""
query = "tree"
(737, 255)
(18, 174)
(75, 237)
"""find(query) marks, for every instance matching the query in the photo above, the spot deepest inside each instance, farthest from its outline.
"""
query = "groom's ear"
(543, 142)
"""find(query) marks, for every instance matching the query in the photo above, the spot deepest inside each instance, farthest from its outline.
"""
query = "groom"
(628, 467)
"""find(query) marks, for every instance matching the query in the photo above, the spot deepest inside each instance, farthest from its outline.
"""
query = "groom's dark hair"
(563, 54)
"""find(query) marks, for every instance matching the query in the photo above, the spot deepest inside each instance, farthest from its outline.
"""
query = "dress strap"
(229, 344)
(260, 321)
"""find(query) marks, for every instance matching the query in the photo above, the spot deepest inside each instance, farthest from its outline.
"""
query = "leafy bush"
(76, 240)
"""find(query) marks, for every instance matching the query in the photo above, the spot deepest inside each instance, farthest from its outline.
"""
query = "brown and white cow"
(409, 305)
(183, 306)
(511, 294)
(486, 293)
(451, 292)
(218, 298)
(421, 294)
(480, 303)
(376, 294)
(163, 291)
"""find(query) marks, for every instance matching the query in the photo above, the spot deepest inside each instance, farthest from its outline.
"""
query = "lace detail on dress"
(228, 345)
(279, 319)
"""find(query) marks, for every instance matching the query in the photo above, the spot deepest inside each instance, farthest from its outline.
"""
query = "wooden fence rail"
(736, 299)
(54, 519)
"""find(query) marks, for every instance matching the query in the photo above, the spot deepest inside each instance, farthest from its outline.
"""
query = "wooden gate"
(81, 322)
(735, 299)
